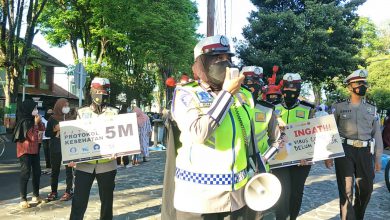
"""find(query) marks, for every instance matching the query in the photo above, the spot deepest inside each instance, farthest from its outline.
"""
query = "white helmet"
(213, 45)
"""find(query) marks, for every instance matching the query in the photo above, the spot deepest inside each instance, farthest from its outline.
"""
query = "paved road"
(139, 189)
(10, 173)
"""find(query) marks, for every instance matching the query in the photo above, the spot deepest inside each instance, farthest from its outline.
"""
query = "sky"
(376, 10)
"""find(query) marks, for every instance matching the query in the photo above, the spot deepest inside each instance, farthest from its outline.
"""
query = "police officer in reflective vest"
(266, 130)
(103, 170)
(265, 126)
(214, 117)
(359, 129)
(292, 178)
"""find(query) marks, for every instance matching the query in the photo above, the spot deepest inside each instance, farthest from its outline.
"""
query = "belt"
(211, 179)
(355, 143)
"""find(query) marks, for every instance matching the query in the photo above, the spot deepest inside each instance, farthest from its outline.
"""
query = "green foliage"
(317, 39)
(130, 42)
(379, 78)
(372, 45)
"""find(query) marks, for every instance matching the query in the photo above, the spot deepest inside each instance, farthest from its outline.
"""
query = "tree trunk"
(317, 94)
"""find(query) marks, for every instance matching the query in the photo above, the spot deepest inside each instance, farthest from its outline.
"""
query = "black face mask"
(256, 89)
(362, 90)
(216, 74)
(290, 97)
(99, 99)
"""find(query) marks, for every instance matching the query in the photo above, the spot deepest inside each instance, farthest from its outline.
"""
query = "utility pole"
(210, 17)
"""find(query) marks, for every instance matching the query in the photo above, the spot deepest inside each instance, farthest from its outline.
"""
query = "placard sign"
(97, 138)
(313, 140)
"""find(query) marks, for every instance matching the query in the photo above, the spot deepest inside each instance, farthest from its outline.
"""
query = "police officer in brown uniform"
(359, 129)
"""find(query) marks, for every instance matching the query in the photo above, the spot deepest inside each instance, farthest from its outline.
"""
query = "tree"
(315, 38)
(16, 17)
(129, 42)
(379, 78)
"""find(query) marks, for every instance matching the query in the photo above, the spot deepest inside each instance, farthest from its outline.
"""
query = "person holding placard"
(104, 170)
(293, 177)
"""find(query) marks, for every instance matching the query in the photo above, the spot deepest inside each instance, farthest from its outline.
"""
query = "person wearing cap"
(292, 178)
(266, 126)
(253, 80)
(266, 131)
(104, 170)
(359, 129)
(213, 115)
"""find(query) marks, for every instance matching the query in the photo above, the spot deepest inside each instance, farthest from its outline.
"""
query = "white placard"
(97, 138)
(313, 140)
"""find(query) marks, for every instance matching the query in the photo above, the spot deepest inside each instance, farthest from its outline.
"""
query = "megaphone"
(262, 191)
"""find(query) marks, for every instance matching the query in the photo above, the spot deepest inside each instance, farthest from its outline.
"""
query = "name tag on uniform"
(204, 97)
(300, 114)
(260, 117)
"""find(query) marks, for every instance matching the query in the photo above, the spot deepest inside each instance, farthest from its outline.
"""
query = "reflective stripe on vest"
(262, 116)
(226, 139)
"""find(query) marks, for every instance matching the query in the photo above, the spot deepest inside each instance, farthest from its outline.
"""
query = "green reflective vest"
(300, 113)
(261, 117)
(226, 143)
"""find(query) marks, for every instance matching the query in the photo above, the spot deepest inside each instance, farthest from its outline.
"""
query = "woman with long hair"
(26, 131)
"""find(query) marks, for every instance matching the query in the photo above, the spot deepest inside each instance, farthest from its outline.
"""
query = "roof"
(46, 59)
(58, 91)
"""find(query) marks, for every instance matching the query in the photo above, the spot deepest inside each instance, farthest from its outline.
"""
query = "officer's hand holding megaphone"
(230, 85)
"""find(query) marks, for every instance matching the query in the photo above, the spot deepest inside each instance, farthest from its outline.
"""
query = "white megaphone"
(262, 191)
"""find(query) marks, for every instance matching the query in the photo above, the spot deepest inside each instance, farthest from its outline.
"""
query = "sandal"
(24, 205)
(66, 197)
(52, 196)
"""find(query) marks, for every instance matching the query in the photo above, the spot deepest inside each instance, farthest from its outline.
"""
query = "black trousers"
(46, 151)
(236, 215)
(83, 184)
(292, 179)
(125, 160)
(56, 159)
(355, 170)
(29, 162)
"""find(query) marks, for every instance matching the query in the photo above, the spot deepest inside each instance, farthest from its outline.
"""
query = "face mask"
(98, 99)
(34, 112)
(216, 74)
(362, 90)
(290, 97)
(65, 110)
(256, 89)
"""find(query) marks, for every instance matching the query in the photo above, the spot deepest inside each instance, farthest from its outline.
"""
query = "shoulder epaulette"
(189, 83)
(340, 100)
(371, 102)
(266, 104)
(306, 103)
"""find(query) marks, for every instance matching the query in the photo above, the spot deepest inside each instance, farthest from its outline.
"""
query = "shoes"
(66, 197)
(144, 159)
(37, 199)
(46, 171)
(52, 196)
(24, 205)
